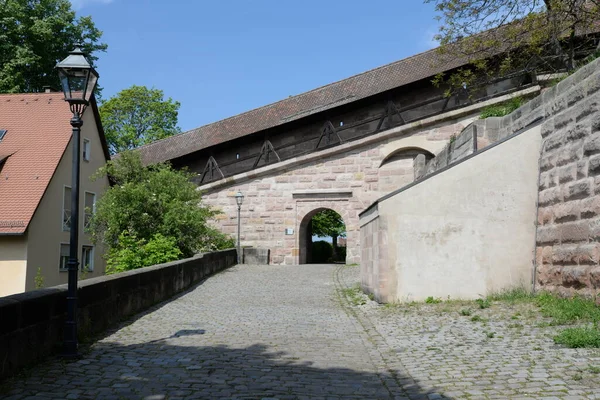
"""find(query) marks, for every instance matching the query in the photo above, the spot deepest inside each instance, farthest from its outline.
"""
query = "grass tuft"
(579, 337)
(515, 295)
(567, 311)
(483, 303)
(433, 300)
(355, 295)
(502, 109)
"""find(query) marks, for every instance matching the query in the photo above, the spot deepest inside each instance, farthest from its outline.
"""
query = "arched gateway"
(305, 236)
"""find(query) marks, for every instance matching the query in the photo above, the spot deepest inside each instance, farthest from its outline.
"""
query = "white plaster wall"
(468, 231)
(13, 264)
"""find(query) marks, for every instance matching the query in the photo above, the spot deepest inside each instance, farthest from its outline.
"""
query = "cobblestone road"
(251, 332)
(266, 332)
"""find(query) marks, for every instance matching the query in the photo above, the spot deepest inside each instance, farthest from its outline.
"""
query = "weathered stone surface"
(576, 276)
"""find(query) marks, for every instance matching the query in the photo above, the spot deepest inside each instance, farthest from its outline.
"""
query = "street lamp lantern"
(78, 80)
(77, 77)
(239, 199)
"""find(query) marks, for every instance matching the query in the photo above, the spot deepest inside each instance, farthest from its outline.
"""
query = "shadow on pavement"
(162, 370)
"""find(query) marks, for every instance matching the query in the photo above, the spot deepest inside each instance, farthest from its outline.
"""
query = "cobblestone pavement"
(266, 332)
(502, 352)
(251, 332)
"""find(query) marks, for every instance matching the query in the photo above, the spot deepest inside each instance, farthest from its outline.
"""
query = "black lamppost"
(239, 199)
(78, 80)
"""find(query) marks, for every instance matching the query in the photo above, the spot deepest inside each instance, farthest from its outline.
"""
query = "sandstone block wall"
(280, 199)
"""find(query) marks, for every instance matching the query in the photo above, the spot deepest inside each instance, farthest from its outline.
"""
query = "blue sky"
(221, 58)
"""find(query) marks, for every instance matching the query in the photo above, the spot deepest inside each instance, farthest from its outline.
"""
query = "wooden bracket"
(390, 111)
(211, 169)
(266, 151)
(328, 131)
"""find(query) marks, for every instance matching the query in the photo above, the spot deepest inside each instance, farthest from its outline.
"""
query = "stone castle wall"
(346, 179)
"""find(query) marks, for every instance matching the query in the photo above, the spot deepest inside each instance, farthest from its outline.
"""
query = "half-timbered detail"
(211, 171)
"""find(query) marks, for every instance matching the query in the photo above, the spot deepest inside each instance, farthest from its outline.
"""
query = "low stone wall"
(255, 256)
(31, 324)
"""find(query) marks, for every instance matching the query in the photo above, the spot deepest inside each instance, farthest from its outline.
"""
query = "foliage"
(483, 303)
(433, 300)
(500, 110)
(146, 201)
(328, 223)
(466, 312)
(532, 34)
(514, 295)
(39, 279)
(355, 295)
(133, 253)
(579, 337)
(321, 252)
(137, 116)
(568, 310)
(34, 36)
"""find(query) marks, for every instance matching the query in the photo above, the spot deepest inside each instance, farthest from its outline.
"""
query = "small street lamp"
(239, 199)
(78, 80)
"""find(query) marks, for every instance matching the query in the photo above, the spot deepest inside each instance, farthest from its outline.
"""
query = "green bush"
(133, 253)
(321, 252)
(341, 254)
(567, 311)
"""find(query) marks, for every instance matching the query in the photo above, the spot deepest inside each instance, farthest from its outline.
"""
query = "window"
(64, 257)
(66, 214)
(2, 133)
(89, 208)
(87, 258)
(86, 150)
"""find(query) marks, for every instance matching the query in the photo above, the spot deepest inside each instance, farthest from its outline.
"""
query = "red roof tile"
(38, 132)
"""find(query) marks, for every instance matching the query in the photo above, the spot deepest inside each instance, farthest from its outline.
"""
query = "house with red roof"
(35, 190)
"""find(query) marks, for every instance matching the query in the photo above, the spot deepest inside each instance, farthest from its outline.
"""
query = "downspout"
(537, 221)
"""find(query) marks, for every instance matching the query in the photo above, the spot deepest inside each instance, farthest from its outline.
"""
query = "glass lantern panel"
(90, 86)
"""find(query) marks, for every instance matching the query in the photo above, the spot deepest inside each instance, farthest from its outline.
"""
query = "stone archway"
(305, 232)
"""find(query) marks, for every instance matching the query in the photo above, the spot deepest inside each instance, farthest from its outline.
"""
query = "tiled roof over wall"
(375, 81)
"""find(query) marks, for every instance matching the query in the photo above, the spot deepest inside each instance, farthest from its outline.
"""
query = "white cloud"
(78, 4)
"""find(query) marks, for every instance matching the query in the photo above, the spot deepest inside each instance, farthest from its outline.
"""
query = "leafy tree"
(329, 223)
(151, 210)
(531, 34)
(136, 116)
(34, 36)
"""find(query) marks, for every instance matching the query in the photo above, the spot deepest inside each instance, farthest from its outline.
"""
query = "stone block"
(565, 118)
(547, 128)
(550, 196)
(567, 173)
(590, 207)
(588, 254)
(578, 190)
(565, 255)
(568, 155)
(549, 275)
(577, 132)
(572, 232)
(564, 212)
(576, 276)
(592, 144)
(547, 235)
(587, 108)
(594, 165)
(545, 215)
(593, 84)
(548, 162)
(574, 95)
(582, 169)
(595, 277)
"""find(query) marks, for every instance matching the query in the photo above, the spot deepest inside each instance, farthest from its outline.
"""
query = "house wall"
(13, 264)
(45, 232)
(473, 223)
